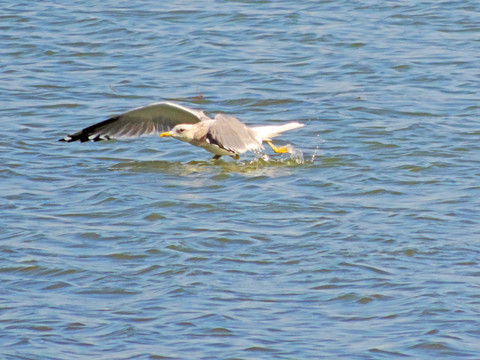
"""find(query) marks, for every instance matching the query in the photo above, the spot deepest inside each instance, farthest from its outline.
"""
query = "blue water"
(362, 244)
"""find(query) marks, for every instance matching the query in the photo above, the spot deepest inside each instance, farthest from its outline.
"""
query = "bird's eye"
(181, 130)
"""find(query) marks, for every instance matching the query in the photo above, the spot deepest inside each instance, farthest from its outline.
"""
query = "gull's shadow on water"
(260, 164)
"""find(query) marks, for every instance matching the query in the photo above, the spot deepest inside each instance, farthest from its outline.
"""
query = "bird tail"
(270, 131)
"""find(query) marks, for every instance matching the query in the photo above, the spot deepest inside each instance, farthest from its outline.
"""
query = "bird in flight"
(222, 135)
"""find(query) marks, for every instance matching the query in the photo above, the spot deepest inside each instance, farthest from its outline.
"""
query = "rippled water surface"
(364, 243)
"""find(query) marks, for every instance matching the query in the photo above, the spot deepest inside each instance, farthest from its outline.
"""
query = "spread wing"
(147, 120)
(231, 134)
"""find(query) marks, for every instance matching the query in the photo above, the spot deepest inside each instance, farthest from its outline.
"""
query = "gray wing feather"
(231, 134)
(147, 120)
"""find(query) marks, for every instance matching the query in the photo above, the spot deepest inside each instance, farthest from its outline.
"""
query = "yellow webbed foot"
(278, 150)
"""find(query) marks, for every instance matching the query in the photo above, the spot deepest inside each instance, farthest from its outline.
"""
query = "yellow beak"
(166, 133)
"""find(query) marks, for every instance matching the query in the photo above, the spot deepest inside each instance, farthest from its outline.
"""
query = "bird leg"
(235, 156)
(280, 149)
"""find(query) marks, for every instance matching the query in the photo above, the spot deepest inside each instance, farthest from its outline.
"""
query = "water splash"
(317, 147)
(293, 156)
(296, 155)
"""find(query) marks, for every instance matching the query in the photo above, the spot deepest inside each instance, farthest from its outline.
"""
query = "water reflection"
(260, 162)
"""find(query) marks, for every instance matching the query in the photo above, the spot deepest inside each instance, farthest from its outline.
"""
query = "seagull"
(222, 135)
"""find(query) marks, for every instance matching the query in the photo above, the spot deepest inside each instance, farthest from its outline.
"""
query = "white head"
(184, 132)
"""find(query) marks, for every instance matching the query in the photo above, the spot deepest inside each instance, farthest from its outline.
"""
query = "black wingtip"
(88, 134)
(74, 137)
